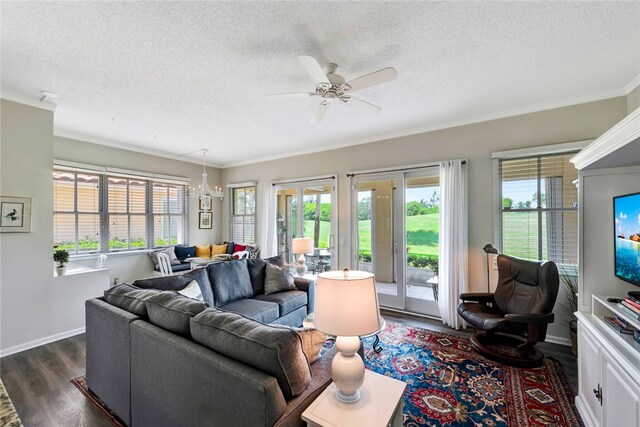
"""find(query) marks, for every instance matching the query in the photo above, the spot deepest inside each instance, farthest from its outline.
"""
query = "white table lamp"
(301, 246)
(347, 307)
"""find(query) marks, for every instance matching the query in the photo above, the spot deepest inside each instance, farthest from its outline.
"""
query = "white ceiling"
(172, 77)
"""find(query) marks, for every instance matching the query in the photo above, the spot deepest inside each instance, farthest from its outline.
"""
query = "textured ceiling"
(172, 77)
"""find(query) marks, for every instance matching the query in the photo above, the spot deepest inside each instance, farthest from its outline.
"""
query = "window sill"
(80, 257)
(72, 271)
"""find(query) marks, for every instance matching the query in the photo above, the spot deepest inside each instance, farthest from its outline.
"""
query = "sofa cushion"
(240, 247)
(129, 298)
(230, 281)
(257, 269)
(287, 301)
(180, 281)
(276, 260)
(230, 247)
(278, 279)
(312, 341)
(275, 351)
(254, 251)
(203, 251)
(172, 311)
(170, 251)
(184, 252)
(260, 311)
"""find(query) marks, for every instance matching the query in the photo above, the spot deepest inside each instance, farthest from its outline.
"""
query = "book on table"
(619, 325)
(626, 310)
(632, 303)
(631, 307)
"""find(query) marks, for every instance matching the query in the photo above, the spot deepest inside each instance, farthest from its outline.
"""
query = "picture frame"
(201, 205)
(15, 214)
(205, 220)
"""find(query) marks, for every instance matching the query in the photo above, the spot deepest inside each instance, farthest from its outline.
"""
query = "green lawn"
(422, 234)
(324, 232)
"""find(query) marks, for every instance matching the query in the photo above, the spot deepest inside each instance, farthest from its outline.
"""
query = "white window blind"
(76, 211)
(538, 207)
(243, 214)
(99, 211)
(127, 210)
(169, 214)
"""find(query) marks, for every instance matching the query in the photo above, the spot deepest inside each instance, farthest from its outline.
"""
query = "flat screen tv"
(626, 209)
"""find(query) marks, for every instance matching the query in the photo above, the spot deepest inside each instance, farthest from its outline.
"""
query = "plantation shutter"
(169, 213)
(539, 208)
(127, 202)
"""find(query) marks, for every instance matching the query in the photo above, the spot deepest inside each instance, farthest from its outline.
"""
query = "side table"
(380, 405)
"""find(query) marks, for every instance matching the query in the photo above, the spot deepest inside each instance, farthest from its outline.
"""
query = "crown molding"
(25, 100)
(634, 83)
(64, 133)
(623, 133)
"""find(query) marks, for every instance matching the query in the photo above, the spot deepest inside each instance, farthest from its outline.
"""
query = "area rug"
(449, 384)
(81, 384)
(8, 415)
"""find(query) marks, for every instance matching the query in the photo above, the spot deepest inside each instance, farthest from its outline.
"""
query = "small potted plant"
(61, 256)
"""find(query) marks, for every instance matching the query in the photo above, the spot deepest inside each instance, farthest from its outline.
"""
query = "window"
(169, 214)
(127, 210)
(243, 214)
(95, 212)
(76, 211)
(538, 207)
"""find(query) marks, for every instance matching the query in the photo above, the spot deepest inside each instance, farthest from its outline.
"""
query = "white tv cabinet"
(608, 369)
(608, 362)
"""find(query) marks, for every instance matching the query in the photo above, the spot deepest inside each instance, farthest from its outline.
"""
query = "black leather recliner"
(521, 305)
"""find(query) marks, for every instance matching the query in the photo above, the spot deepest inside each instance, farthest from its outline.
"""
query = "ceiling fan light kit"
(332, 87)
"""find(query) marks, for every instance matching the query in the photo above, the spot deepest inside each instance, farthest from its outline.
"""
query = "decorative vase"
(60, 271)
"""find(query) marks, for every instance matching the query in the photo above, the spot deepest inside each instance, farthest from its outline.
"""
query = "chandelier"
(205, 193)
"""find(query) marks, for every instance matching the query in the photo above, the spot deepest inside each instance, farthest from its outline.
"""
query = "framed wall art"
(205, 220)
(15, 214)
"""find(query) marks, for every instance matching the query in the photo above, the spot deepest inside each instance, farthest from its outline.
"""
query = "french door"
(308, 209)
(396, 237)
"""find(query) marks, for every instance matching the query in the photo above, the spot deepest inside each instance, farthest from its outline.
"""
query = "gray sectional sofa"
(157, 358)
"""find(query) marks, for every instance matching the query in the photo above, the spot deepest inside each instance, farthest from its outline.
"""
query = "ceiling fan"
(333, 88)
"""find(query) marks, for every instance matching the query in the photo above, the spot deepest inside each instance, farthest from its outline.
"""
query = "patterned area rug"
(81, 384)
(8, 415)
(449, 384)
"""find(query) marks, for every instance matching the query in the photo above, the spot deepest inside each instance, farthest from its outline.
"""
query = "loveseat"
(207, 370)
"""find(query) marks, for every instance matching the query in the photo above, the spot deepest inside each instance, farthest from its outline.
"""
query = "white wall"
(130, 267)
(35, 307)
(475, 142)
(598, 187)
(633, 100)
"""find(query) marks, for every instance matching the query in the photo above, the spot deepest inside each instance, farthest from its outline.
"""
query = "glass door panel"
(422, 223)
(377, 234)
(287, 218)
(316, 202)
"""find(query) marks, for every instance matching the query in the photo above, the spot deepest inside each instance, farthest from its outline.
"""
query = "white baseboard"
(558, 340)
(40, 341)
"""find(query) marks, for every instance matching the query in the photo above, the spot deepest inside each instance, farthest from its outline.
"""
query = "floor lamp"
(491, 252)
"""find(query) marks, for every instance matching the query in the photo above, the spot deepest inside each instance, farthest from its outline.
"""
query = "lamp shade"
(346, 303)
(302, 245)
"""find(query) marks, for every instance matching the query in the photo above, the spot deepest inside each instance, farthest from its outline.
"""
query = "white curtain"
(453, 270)
(267, 221)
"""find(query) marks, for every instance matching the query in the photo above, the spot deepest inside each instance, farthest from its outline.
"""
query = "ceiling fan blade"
(314, 69)
(290, 95)
(319, 113)
(360, 105)
(375, 78)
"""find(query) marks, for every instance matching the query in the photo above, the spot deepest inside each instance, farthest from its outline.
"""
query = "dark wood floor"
(38, 380)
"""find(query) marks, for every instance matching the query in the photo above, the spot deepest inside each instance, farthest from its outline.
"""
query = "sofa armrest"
(530, 318)
(482, 297)
(309, 286)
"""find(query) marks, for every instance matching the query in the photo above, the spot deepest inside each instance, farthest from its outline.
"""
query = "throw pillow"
(129, 298)
(184, 252)
(278, 279)
(203, 251)
(230, 247)
(254, 252)
(170, 251)
(218, 249)
(312, 341)
(239, 248)
(192, 290)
